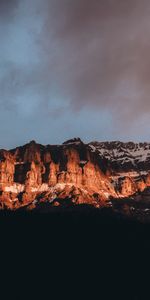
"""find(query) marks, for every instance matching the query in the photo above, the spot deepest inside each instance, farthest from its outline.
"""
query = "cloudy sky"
(74, 68)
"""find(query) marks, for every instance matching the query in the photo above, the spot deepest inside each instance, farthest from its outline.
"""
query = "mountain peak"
(75, 140)
(33, 142)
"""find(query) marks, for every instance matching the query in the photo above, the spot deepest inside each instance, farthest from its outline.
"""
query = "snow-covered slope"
(128, 164)
(124, 156)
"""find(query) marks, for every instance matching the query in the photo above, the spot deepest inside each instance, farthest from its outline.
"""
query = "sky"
(74, 68)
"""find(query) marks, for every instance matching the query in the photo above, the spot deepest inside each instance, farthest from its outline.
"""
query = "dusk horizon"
(84, 140)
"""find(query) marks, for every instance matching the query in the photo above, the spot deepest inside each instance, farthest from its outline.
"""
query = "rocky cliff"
(128, 165)
(34, 173)
(73, 172)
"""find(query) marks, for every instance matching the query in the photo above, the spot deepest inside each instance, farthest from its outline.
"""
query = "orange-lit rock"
(127, 187)
(34, 171)
(72, 172)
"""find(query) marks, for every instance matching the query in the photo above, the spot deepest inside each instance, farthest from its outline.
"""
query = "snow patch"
(92, 148)
(16, 188)
(125, 152)
(43, 188)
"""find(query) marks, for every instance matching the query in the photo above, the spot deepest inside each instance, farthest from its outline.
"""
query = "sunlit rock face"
(34, 173)
(7, 169)
(75, 172)
(128, 165)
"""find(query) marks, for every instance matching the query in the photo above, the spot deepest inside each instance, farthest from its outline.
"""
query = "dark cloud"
(64, 59)
(104, 52)
(7, 8)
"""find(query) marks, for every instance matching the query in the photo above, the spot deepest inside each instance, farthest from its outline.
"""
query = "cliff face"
(74, 172)
(128, 165)
(35, 173)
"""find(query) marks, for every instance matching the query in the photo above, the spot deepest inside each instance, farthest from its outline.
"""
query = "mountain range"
(113, 174)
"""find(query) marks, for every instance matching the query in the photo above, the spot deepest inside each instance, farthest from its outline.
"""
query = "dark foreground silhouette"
(64, 251)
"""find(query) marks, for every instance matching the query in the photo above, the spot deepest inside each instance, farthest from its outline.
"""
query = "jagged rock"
(73, 141)
(49, 172)
(128, 164)
(84, 173)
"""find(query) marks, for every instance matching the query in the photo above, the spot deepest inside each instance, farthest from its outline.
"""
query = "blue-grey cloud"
(69, 62)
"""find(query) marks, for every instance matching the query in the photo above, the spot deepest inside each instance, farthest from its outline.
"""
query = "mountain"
(34, 173)
(97, 174)
(129, 164)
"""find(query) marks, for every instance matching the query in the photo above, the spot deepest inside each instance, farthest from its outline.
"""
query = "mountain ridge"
(93, 173)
